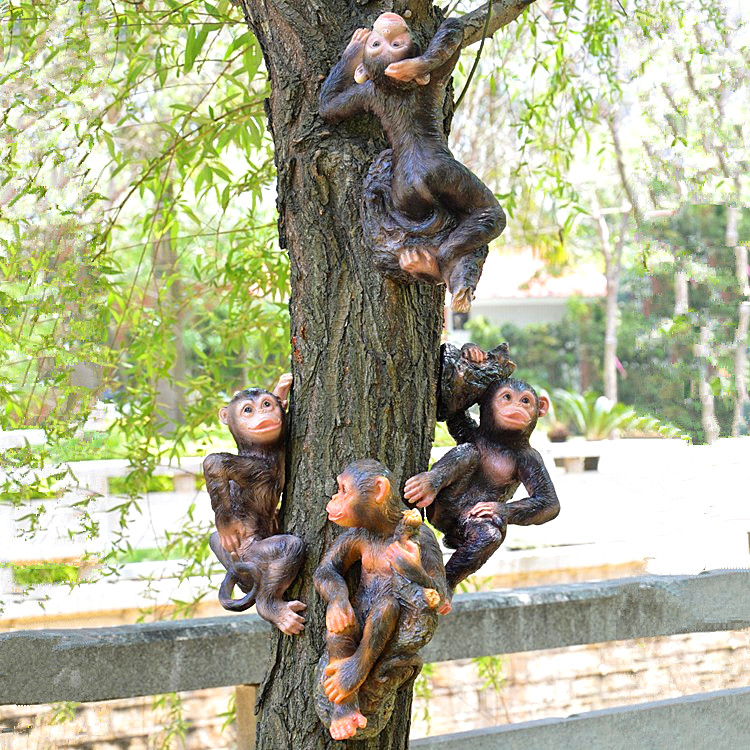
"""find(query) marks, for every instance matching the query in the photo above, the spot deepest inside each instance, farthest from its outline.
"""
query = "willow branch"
(502, 13)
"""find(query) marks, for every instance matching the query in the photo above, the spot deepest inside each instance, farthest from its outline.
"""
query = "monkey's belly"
(499, 469)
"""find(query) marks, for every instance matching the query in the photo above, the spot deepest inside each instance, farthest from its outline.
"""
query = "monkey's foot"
(421, 263)
(288, 621)
(461, 301)
(418, 489)
(346, 726)
(341, 679)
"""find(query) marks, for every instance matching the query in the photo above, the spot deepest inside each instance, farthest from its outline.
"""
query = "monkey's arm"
(341, 97)
(462, 428)
(438, 59)
(444, 48)
(220, 468)
(457, 463)
(234, 522)
(542, 504)
(330, 584)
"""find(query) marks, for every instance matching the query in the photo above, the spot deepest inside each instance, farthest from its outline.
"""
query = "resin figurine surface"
(372, 640)
(468, 492)
(425, 215)
(466, 373)
(245, 491)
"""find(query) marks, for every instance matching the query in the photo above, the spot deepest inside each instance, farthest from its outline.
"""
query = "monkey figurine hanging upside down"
(372, 640)
(245, 491)
(425, 215)
(468, 492)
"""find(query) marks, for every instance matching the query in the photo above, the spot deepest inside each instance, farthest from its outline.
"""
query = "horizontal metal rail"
(90, 664)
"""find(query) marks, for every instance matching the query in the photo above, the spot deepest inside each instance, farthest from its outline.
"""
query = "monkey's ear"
(382, 489)
(224, 415)
(543, 405)
(422, 80)
(360, 74)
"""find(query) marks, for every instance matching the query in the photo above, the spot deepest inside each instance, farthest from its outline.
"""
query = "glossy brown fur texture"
(245, 491)
(372, 641)
(468, 492)
(425, 215)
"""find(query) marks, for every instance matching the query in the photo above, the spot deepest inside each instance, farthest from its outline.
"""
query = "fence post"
(244, 702)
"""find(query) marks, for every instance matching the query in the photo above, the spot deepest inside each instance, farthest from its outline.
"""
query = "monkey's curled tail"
(240, 573)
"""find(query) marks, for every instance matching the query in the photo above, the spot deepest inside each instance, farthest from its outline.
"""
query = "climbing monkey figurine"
(425, 215)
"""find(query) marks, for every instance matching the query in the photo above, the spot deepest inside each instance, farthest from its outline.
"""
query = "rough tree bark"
(364, 350)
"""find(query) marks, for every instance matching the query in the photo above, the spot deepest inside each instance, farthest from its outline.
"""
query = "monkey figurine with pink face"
(373, 636)
(245, 490)
(468, 492)
(425, 216)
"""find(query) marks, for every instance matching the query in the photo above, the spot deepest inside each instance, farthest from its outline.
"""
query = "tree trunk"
(681, 293)
(364, 350)
(613, 263)
(739, 420)
(610, 334)
(711, 429)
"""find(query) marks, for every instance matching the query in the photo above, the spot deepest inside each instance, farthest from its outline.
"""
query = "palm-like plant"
(597, 417)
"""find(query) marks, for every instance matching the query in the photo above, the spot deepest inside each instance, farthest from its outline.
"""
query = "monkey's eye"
(248, 409)
(396, 44)
(525, 400)
(506, 396)
(375, 44)
(266, 403)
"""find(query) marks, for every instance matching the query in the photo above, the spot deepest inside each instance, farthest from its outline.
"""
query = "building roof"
(518, 274)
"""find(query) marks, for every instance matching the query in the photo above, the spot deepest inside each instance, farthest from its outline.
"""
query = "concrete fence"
(102, 663)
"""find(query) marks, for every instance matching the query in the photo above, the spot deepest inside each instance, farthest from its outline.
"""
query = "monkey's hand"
(418, 489)
(340, 617)
(283, 387)
(411, 69)
(494, 511)
(473, 353)
(231, 535)
(359, 37)
(403, 556)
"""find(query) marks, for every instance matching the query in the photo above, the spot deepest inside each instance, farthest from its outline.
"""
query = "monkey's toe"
(461, 301)
(289, 622)
(345, 727)
(420, 263)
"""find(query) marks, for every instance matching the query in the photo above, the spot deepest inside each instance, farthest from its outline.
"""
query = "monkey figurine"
(245, 491)
(425, 215)
(466, 373)
(468, 492)
(372, 640)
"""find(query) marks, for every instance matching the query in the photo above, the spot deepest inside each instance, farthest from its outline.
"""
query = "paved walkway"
(685, 507)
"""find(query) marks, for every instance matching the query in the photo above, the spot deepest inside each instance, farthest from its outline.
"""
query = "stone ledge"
(43, 666)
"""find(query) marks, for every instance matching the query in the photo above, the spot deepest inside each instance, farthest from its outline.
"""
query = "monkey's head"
(389, 41)
(254, 417)
(365, 498)
(510, 407)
